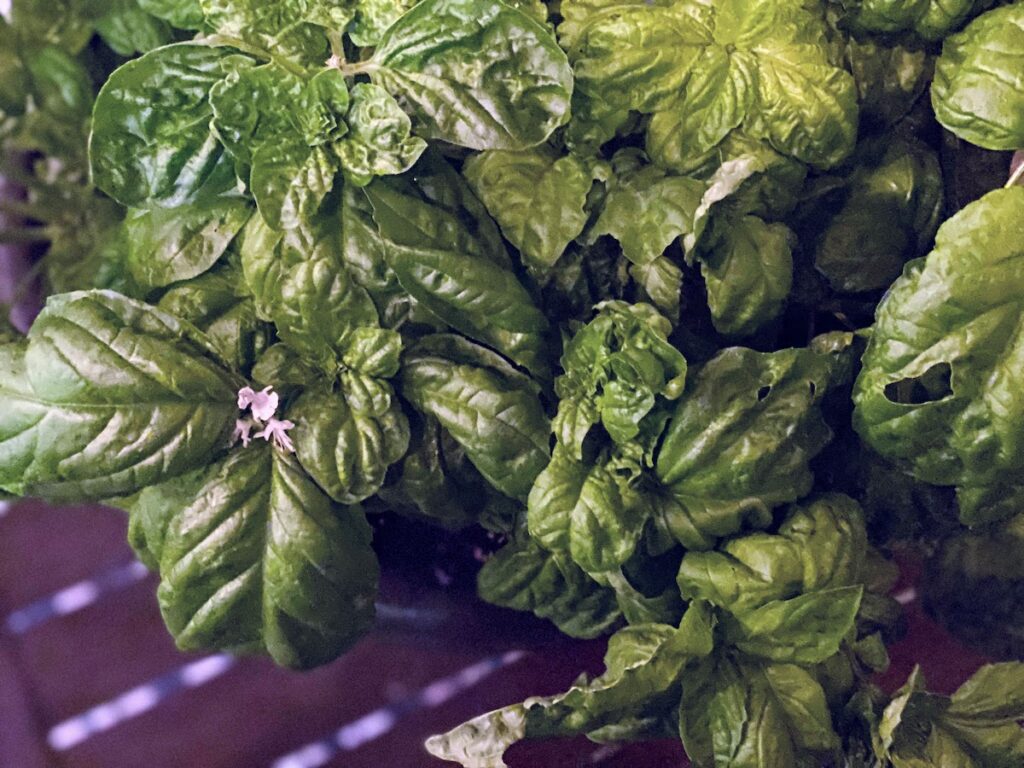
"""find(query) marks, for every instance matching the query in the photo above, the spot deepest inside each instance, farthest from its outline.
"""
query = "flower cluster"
(262, 405)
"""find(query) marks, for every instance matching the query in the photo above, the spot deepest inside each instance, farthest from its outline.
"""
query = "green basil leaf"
(290, 182)
(517, 187)
(373, 17)
(705, 70)
(891, 209)
(748, 271)
(151, 141)
(930, 19)
(497, 418)
(378, 142)
(643, 663)
(213, 304)
(254, 557)
(802, 630)
(941, 377)
(618, 369)
(167, 245)
(748, 715)
(742, 436)
(445, 266)
(476, 73)
(975, 92)
(821, 545)
(347, 451)
(183, 14)
(526, 577)
(128, 29)
(14, 81)
(299, 285)
(65, 24)
(586, 510)
(279, 28)
(647, 210)
(153, 401)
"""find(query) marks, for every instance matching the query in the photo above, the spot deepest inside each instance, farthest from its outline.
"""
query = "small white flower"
(243, 431)
(277, 430)
(263, 404)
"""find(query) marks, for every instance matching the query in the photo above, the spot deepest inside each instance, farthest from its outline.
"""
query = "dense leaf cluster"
(670, 296)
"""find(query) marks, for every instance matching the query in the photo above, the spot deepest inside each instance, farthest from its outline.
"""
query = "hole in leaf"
(814, 389)
(763, 393)
(931, 386)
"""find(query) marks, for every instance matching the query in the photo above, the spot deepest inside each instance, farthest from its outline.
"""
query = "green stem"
(337, 46)
(1016, 176)
(359, 68)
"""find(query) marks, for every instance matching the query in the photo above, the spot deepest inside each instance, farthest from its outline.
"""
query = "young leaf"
(151, 142)
(476, 73)
(153, 401)
(378, 142)
(930, 19)
(347, 451)
(255, 557)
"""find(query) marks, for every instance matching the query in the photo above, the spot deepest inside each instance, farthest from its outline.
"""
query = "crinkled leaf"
(279, 27)
(942, 372)
(476, 73)
(109, 396)
(378, 142)
(616, 369)
(538, 198)
(345, 450)
(819, 546)
(151, 141)
(742, 436)
(977, 91)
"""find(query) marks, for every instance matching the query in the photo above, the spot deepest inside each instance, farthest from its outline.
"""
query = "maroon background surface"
(255, 713)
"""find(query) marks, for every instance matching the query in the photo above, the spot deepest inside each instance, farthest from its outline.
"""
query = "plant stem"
(337, 46)
(1017, 175)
